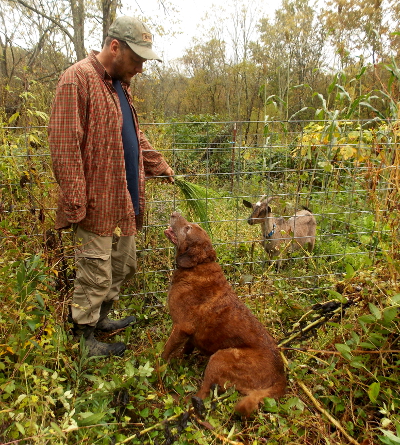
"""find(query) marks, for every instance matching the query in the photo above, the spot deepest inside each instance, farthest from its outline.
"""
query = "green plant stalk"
(196, 198)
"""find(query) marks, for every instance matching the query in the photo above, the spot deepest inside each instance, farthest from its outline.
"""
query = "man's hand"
(169, 174)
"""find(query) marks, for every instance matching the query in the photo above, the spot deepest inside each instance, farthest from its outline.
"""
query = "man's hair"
(109, 39)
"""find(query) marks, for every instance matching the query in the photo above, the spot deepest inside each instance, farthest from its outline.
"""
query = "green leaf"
(375, 311)
(326, 165)
(363, 69)
(394, 438)
(13, 117)
(270, 405)
(297, 112)
(32, 324)
(129, 369)
(293, 402)
(90, 418)
(21, 275)
(389, 314)
(396, 299)
(145, 413)
(332, 86)
(9, 387)
(338, 296)
(367, 105)
(367, 345)
(146, 370)
(196, 198)
(40, 300)
(373, 391)
(367, 261)
(349, 271)
(231, 432)
(356, 363)
(57, 429)
(368, 319)
(344, 350)
(21, 429)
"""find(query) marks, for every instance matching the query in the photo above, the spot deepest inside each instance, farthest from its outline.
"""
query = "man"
(100, 160)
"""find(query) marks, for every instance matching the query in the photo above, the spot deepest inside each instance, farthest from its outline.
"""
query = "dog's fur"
(208, 315)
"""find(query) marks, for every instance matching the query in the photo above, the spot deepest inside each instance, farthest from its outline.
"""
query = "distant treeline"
(303, 60)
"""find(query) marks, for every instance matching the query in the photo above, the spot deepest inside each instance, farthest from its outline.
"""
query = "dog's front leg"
(176, 341)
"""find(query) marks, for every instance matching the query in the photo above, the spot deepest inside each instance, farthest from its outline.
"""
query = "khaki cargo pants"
(103, 264)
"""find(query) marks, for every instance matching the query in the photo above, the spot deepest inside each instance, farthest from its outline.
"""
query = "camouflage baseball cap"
(136, 34)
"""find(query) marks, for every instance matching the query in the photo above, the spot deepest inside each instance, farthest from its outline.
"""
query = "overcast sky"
(189, 19)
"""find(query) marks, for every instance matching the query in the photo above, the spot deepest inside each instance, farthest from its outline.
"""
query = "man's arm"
(154, 163)
(66, 133)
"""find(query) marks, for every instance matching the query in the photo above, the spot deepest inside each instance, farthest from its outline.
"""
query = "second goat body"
(280, 234)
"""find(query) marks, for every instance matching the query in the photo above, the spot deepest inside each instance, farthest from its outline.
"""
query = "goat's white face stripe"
(258, 203)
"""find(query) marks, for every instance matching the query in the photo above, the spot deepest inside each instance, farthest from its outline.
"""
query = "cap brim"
(142, 51)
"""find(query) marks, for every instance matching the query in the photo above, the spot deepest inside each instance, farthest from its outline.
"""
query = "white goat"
(280, 234)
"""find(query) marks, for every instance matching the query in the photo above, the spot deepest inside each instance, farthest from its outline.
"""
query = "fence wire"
(342, 171)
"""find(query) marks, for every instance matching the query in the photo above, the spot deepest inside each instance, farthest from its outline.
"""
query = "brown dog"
(208, 315)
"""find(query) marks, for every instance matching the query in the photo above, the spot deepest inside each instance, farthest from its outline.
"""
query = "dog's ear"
(195, 255)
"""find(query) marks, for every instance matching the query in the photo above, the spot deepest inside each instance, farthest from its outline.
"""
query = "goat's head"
(260, 210)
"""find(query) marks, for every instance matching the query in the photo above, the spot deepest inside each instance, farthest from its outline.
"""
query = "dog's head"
(192, 242)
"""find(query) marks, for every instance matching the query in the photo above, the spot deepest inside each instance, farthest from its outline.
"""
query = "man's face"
(126, 64)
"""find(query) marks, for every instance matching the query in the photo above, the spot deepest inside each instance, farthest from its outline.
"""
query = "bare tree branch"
(42, 14)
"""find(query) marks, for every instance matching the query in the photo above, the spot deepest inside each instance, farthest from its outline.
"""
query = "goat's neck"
(268, 226)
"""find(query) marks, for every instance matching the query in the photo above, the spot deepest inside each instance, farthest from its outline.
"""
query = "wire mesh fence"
(342, 171)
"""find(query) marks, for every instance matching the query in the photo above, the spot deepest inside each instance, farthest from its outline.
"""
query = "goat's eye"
(187, 228)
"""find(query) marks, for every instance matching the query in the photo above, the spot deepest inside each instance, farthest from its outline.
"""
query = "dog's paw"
(198, 406)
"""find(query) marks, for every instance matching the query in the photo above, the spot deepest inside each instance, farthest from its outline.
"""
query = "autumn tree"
(362, 28)
(291, 51)
(70, 18)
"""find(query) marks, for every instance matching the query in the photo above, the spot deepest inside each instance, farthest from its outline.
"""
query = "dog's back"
(210, 303)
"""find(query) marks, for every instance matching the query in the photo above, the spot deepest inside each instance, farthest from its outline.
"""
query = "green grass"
(51, 394)
(55, 396)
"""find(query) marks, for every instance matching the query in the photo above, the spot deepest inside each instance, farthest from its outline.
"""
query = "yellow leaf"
(347, 152)
(247, 155)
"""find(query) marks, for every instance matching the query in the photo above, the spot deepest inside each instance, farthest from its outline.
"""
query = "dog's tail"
(250, 402)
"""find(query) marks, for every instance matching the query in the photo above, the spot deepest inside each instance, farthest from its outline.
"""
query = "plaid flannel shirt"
(88, 155)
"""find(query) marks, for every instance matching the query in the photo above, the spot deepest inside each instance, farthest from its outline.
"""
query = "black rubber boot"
(95, 347)
(105, 324)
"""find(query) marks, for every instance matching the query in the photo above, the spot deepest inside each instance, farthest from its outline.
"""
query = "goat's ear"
(247, 204)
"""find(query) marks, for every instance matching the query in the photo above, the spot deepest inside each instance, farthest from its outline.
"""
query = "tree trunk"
(109, 9)
(78, 18)
(3, 60)
(3, 52)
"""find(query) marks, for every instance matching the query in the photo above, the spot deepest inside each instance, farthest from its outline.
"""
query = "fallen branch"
(147, 430)
(355, 351)
(226, 440)
(191, 414)
(320, 408)
(328, 309)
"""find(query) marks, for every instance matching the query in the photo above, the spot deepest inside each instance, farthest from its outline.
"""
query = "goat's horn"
(269, 199)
